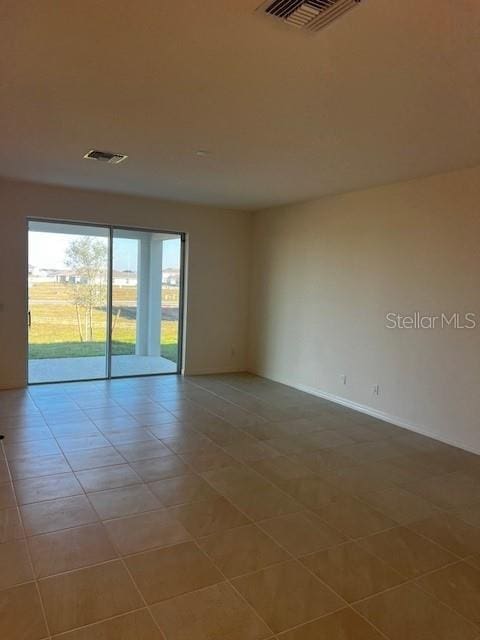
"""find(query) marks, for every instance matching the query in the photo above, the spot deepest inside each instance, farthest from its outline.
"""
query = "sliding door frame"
(181, 301)
(111, 228)
(109, 303)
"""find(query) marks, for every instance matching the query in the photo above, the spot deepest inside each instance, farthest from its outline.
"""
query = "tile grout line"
(92, 624)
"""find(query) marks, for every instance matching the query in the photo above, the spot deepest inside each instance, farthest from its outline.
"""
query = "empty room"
(240, 320)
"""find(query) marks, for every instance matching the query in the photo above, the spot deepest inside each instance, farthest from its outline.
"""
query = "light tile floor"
(229, 507)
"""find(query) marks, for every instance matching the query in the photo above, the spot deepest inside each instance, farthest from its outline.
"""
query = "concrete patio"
(88, 368)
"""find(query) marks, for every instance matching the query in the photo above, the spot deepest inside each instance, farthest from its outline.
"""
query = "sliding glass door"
(102, 302)
(145, 302)
(67, 301)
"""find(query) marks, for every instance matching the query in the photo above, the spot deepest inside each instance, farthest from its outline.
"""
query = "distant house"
(66, 276)
(38, 275)
(126, 278)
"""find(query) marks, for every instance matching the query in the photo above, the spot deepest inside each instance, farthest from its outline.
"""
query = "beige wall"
(326, 273)
(217, 278)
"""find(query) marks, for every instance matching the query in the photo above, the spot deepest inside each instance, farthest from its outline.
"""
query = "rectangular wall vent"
(105, 156)
(311, 15)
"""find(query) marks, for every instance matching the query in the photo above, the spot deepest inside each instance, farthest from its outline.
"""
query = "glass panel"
(68, 297)
(145, 302)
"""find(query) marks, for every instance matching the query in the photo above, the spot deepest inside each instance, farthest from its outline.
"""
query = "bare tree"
(87, 258)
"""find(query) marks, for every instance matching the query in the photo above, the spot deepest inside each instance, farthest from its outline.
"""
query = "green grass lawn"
(54, 331)
(84, 349)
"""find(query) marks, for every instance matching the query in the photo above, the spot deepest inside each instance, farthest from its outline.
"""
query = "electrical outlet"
(376, 389)
(343, 378)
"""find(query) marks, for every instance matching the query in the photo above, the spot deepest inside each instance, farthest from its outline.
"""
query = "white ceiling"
(389, 92)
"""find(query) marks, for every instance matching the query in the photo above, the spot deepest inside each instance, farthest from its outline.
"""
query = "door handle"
(29, 319)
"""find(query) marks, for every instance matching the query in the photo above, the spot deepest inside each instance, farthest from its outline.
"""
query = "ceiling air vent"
(105, 156)
(310, 15)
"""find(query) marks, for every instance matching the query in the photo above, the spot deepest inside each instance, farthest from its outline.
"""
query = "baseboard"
(375, 413)
(216, 370)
